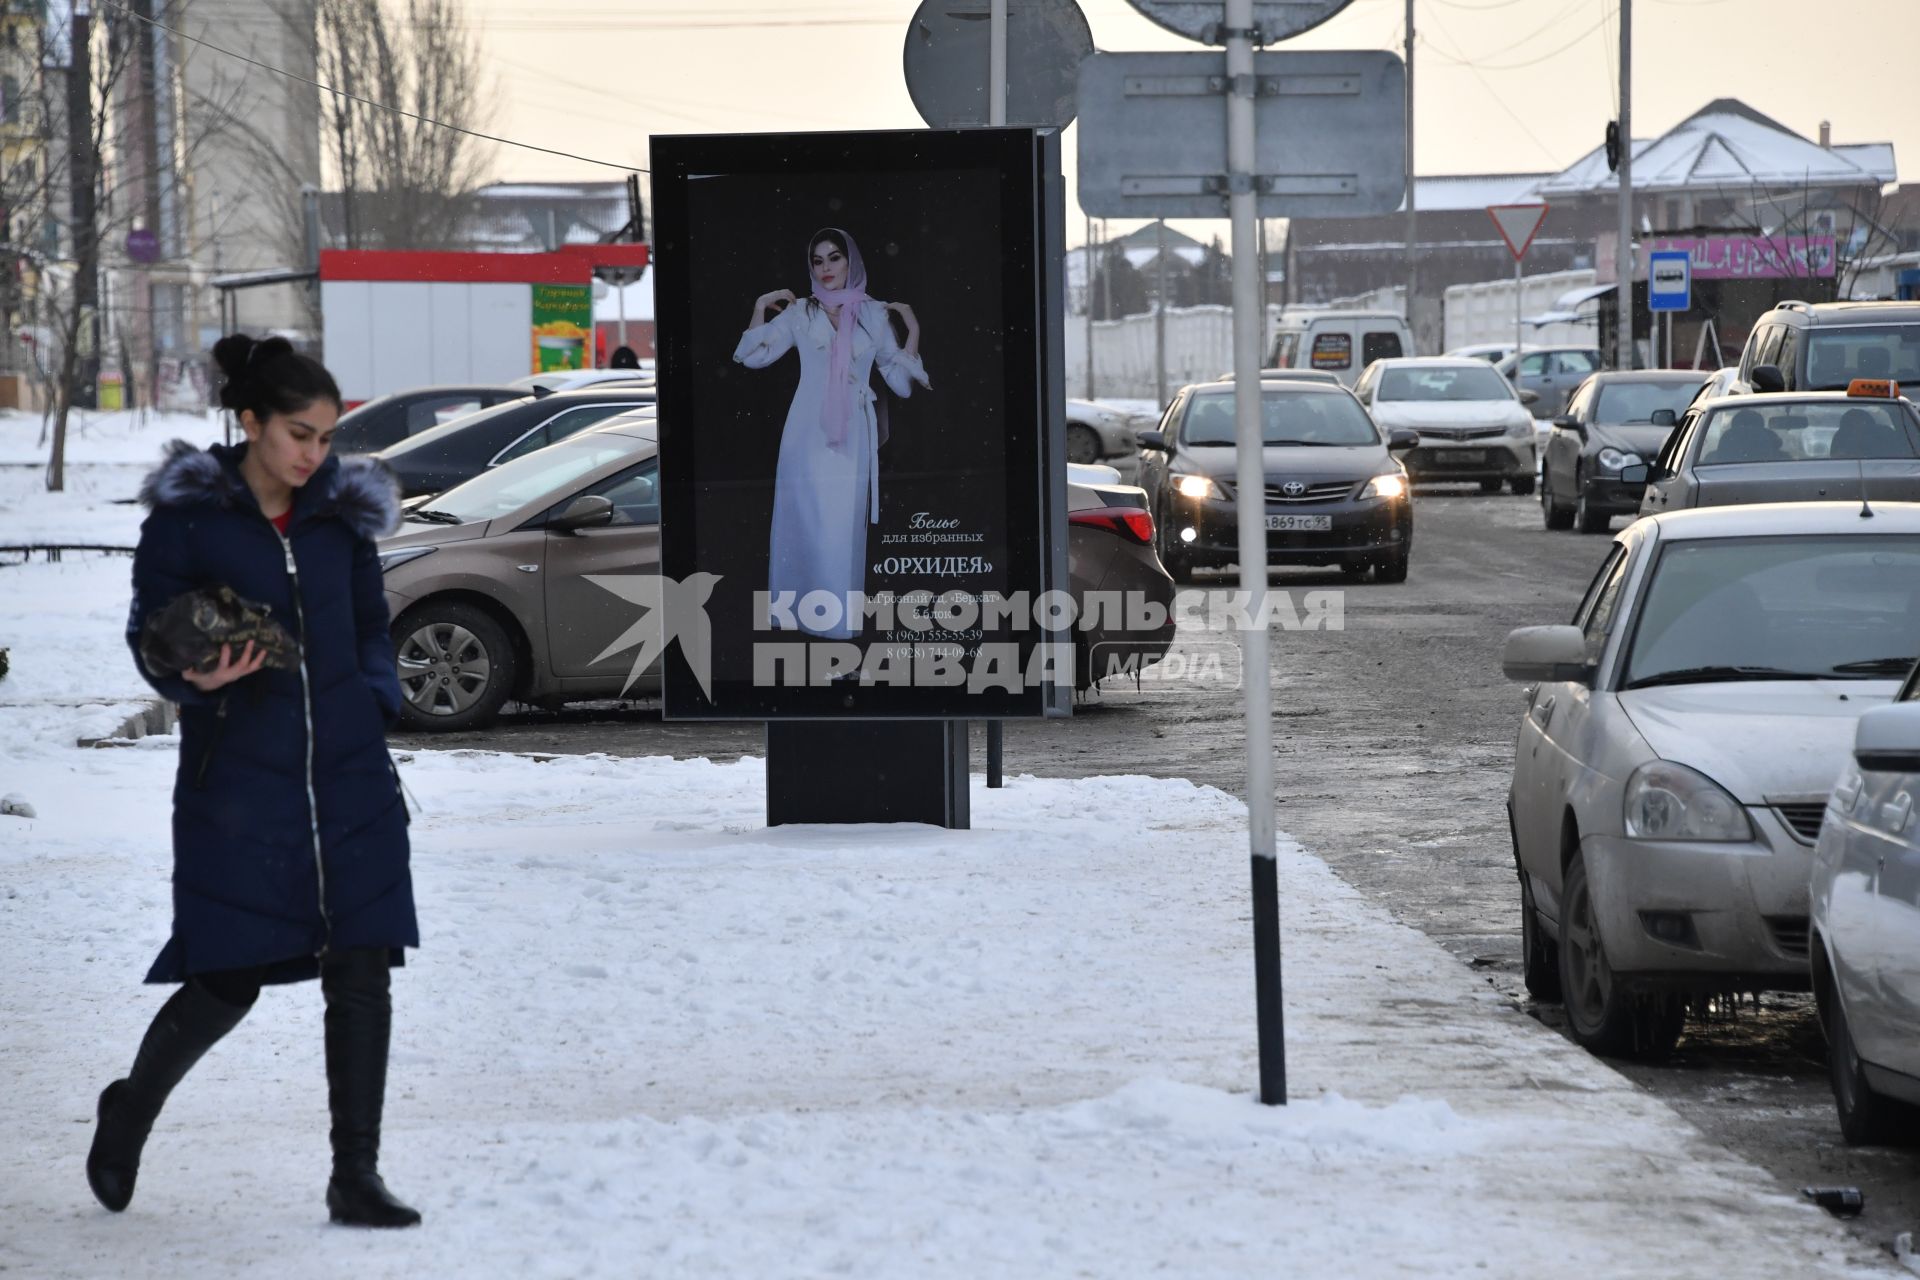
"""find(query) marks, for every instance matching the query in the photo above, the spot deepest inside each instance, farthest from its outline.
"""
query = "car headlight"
(1614, 459)
(1519, 429)
(394, 558)
(1197, 487)
(1392, 485)
(1668, 801)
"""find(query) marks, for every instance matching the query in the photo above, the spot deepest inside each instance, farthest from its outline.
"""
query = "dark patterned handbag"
(187, 633)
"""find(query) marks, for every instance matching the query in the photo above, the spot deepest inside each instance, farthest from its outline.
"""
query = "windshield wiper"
(1710, 675)
(434, 517)
(1874, 667)
(1308, 444)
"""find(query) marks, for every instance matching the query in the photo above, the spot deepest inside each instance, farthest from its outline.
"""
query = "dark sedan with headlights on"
(1335, 495)
(1613, 420)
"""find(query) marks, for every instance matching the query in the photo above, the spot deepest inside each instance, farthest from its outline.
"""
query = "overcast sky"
(1500, 85)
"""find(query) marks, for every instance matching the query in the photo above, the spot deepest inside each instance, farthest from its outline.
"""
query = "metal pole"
(1413, 261)
(1160, 318)
(1519, 325)
(995, 746)
(997, 63)
(1086, 255)
(620, 283)
(1251, 478)
(1623, 255)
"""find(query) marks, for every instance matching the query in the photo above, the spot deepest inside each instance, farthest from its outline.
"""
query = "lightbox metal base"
(867, 771)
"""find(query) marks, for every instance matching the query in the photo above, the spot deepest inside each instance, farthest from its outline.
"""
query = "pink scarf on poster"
(837, 408)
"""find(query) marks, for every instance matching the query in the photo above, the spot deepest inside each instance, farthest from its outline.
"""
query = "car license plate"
(1458, 457)
(1300, 524)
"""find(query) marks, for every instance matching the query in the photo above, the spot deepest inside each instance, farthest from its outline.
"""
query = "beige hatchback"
(489, 582)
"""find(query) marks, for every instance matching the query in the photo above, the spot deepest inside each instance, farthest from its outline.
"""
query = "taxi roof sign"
(1874, 388)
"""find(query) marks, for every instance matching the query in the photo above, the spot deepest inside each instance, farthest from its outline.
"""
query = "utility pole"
(1623, 254)
(1160, 317)
(1413, 261)
(1251, 477)
(86, 235)
(1086, 264)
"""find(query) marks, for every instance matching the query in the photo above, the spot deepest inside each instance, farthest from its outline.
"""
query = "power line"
(354, 97)
(1484, 84)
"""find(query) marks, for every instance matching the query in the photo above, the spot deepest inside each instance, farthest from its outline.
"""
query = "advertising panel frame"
(1024, 166)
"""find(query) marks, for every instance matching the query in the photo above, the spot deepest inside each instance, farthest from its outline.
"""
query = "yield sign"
(1518, 224)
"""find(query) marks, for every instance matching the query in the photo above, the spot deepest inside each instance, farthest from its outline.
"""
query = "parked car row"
(1677, 827)
(511, 509)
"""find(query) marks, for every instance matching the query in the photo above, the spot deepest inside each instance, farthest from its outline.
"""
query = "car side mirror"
(586, 511)
(1546, 654)
(1567, 422)
(1887, 739)
(1767, 378)
(1636, 473)
(1528, 396)
(1400, 439)
(1664, 418)
(1152, 440)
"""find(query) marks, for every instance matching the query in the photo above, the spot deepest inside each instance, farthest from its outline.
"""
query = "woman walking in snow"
(289, 833)
(826, 484)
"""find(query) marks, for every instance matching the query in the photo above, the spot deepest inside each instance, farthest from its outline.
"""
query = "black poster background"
(930, 240)
(949, 222)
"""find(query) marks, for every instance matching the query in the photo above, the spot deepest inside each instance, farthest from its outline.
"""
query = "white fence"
(1199, 349)
(1484, 312)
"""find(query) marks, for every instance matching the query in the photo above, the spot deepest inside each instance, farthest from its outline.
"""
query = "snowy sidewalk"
(647, 1036)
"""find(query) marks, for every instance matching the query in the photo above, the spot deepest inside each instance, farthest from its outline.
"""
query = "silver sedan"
(1677, 748)
(1866, 924)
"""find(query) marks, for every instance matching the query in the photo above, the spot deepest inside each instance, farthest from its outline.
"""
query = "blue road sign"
(1669, 280)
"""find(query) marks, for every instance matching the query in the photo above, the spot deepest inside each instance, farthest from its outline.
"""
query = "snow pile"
(647, 1035)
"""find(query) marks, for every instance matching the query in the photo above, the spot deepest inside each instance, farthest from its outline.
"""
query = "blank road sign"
(1330, 134)
(946, 61)
(1669, 280)
(1202, 20)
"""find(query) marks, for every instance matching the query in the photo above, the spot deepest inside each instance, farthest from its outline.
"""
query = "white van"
(1342, 343)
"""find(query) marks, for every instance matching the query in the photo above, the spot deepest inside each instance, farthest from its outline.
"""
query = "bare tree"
(407, 80)
(114, 168)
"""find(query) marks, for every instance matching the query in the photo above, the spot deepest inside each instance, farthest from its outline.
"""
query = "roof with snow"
(1460, 192)
(1727, 144)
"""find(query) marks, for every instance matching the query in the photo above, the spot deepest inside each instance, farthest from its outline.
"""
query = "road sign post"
(1518, 224)
(1305, 135)
(1669, 289)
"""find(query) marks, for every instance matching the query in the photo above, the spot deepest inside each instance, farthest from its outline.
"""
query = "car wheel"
(1585, 518)
(1556, 516)
(1539, 958)
(457, 666)
(1394, 567)
(1866, 1118)
(1606, 1015)
(1355, 571)
(1082, 444)
(1489, 486)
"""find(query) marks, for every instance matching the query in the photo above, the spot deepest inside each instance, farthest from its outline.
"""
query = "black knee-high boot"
(188, 1024)
(359, 1024)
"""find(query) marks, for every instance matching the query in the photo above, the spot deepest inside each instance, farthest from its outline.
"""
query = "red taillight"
(1132, 523)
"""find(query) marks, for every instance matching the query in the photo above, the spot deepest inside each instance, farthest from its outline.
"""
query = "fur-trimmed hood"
(360, 490)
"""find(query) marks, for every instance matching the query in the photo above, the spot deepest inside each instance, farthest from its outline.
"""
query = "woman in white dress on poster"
(826, 484)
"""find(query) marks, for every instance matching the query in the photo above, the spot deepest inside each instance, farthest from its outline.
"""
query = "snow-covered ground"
(106, 436)
(645, 1035)
(648, 1036)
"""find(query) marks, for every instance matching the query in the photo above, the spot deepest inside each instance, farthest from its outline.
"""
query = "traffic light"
(1613, 146)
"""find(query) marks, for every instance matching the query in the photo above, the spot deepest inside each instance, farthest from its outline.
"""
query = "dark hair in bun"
(267, 376)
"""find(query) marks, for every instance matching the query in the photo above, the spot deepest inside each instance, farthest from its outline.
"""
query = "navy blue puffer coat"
(289, 831)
